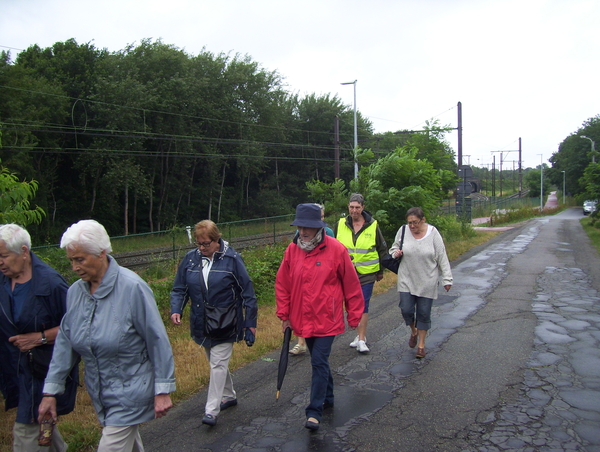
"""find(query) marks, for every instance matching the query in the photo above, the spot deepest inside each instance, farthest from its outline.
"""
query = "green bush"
(159, 270)
(451, 228)
(262, 265)
(57, 259)
(521, 214)
(162, 292)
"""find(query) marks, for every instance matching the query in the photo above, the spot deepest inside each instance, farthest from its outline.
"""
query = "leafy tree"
(202, 136)
(15, 200)
(574, 155)
(334, 196)
(532, 180)
(391, 186)
(591, 181)
(428, 144)
(123, 177)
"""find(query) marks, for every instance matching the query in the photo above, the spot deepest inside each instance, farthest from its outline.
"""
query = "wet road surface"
(513, 363)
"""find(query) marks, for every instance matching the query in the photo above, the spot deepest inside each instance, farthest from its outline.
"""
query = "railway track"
(137, 260)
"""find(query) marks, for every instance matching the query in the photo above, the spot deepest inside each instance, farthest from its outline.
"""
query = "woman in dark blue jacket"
(32, 304)
(223, 309)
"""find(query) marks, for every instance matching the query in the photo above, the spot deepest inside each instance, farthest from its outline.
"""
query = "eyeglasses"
(203, 244)
(414, 223)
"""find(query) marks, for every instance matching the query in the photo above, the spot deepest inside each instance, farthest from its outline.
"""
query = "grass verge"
(591, 226)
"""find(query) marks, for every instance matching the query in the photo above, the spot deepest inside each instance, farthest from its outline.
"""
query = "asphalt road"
(486, 383)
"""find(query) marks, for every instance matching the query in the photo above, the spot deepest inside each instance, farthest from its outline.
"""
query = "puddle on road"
(352, 402)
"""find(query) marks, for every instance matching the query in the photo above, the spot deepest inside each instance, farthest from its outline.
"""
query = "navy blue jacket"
(43, 309)
(228, 282)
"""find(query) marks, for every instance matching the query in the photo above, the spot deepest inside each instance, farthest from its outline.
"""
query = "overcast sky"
(520, 68)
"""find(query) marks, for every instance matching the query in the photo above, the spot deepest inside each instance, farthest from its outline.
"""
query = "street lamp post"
(355, 130)
(593, 147)
(541, 182)
(563, 186)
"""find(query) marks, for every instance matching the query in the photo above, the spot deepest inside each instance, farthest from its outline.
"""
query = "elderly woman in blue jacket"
(113, 323)
(33, 300)
(223, 309)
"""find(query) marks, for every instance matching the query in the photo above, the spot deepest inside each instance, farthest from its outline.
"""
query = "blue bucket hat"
(308, 216)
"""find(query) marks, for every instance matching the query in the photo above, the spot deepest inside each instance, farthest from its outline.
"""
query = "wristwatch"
(44, 340)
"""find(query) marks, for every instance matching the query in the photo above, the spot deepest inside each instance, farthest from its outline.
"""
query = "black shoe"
(209, 419)
(312, 424)
(327, 404)
(228, 404)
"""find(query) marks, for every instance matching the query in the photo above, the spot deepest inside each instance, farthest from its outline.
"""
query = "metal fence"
(483, 207)
(265, 230)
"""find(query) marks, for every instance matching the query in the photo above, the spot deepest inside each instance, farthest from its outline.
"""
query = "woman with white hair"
(113, 323)
(33, 300)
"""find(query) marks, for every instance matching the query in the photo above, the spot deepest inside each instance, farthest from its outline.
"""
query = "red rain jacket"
(313, 288)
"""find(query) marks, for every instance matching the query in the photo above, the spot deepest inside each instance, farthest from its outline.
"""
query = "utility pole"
(336, 128)
(493, 176)
(541, 182)
(459, 128)
(520, 171)
(355, 131)
(519, 151)
(463, 200)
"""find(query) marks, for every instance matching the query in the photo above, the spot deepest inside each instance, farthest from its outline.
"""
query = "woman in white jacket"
(424, 260)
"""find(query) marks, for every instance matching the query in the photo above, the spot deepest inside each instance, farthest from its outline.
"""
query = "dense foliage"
(15, 200)
(151, 137)
(580, 161)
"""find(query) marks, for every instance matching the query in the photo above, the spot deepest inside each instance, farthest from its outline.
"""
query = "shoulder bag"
(393, 263)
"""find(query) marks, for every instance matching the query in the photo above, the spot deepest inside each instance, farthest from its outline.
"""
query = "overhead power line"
(146, 111)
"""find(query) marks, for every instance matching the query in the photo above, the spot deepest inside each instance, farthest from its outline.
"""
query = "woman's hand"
(162, 403)
(47, 406)
(284, 325)
(397, 254)
(447, 287)
(176, 319)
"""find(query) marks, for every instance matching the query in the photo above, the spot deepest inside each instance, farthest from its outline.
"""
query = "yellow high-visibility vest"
(364, 254)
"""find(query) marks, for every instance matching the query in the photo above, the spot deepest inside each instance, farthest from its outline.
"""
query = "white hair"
(15, 237)
(87, 234)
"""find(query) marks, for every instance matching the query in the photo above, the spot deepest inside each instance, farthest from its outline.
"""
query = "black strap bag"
(393, 263)
(39, 360)
(220, 322)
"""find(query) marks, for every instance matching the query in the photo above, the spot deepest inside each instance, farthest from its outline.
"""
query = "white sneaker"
(362, 347)
(354, 343)
(298, 349)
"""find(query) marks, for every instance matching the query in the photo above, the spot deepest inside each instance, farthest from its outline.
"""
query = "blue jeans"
(321, 387)
(416, 310)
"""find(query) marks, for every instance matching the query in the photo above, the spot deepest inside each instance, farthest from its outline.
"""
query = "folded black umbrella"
(283, 359)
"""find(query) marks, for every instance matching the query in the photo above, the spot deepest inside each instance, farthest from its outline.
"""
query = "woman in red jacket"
(314, 282)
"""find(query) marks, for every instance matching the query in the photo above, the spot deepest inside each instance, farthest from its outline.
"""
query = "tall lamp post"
(593, 147)
(541, 182)
(355, 130)
(563, 185)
